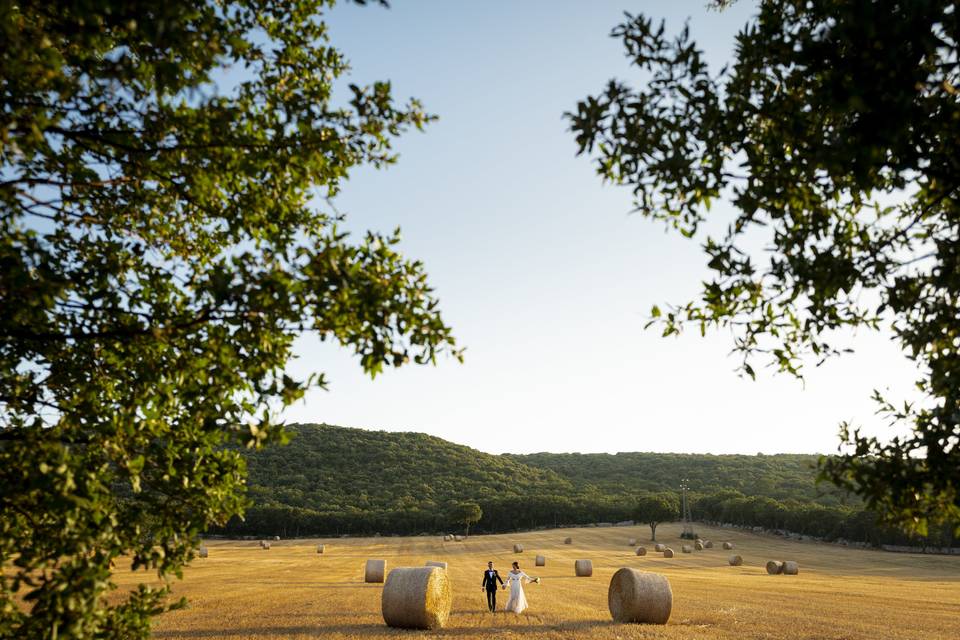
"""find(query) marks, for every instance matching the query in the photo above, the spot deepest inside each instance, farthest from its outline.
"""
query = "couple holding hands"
(517, 601)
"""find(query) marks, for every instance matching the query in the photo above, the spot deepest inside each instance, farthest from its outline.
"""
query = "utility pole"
(685, 511)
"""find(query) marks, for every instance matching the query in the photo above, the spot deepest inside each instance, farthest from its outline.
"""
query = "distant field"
(290, 591)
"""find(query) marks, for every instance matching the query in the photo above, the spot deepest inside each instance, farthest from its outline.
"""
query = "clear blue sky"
(544, 275)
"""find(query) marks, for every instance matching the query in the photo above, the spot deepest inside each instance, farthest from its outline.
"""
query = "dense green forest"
(333, 481)
(781, 477)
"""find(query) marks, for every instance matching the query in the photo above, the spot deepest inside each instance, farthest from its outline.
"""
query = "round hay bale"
(698, 545)
(668, 553)
(374, 570)
(568, 541)
(790, 568)
(583, 568)
(266, 545)
(447, 538)
(641, 551)
(708, 544)
(698, 541)
(518, 548)
(660, 547)
(541, 561)
(728, 545)
(774, 567)
(321, 548)
(203, 553)
(458, 538)
(416, 598)
(637, 596)
(436, 563)
(686, 548)
(735, 561)
(632, 542)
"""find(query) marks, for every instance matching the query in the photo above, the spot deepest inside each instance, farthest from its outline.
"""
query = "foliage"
(357, 481)
(655, 508)
(466, 513)
(163, 167)
(779, 476)
(834, 135)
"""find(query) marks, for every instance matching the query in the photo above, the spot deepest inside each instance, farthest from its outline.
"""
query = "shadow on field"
(226, 632)
(520, 623)
(376, 629)
(355, 584)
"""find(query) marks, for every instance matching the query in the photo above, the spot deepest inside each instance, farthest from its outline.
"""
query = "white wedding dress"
(517, 601)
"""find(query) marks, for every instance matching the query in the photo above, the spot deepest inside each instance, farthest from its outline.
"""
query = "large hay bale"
(276, 537)
(774, 567)
(699, 540)
(641, 551)
(632, 542)
(735, 561)
(568, 541)
(728, 545)
(541, 561)
(708, 544)
(458, 538)
(203, 553)
(698, 545)
(436, 563)
(660, 547)
(321, 548)
(447, 538)
(637, 596)
(416, 598)
(668, 552)
(265, 545)
(374, 570)
(518, 548)
(790, 568)
(686, 548)
(583, 568)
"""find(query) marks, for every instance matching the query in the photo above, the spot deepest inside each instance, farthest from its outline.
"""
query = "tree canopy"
(655, 508)
(165, 235)
(466, 513)
(834, 134)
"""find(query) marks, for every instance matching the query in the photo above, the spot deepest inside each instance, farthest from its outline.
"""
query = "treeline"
(510, 514)
(331, 481)
(824, 522)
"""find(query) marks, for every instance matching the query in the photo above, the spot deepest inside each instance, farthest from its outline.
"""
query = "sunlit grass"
(290, 591)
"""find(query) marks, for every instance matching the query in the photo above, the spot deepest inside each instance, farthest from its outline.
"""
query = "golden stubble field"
(290, 591)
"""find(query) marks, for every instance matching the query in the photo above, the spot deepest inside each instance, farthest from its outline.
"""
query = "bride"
(515, 579)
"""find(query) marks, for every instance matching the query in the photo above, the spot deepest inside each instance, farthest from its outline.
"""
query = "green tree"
(654, 508)
(466, 513)
(164, 238)
(834, 135)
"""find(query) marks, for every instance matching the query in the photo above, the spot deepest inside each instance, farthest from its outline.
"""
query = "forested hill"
(335, 469)
(333, 481)
(781, 477)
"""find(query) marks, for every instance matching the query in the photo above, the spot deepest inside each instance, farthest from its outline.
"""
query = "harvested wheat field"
(840, 593)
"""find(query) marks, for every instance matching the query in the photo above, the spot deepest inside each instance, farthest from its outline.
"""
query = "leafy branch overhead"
(834, 135)
(164, 238)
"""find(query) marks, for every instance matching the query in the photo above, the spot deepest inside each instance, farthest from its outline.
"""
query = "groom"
(490, 578)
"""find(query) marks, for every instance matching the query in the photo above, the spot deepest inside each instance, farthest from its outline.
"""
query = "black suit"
(490, 578)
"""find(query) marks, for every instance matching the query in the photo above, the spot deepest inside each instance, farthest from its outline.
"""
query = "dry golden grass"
(290, 591)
